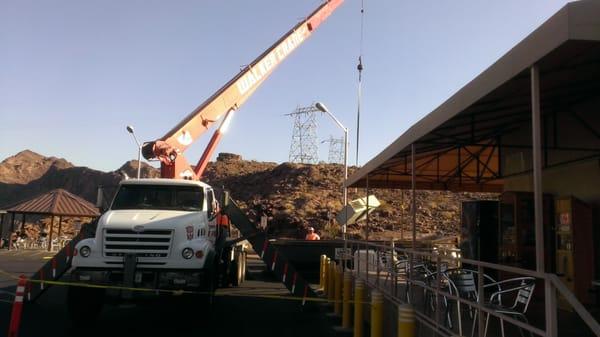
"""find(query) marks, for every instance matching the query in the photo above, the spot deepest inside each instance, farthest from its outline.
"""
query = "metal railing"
(406, 275)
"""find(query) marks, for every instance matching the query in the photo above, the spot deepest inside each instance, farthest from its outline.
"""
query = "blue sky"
(74, 73)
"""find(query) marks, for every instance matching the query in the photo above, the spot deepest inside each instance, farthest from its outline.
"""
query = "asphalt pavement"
(235, 311)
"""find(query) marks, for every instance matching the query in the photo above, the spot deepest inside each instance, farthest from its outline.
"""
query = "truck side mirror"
(100, 197)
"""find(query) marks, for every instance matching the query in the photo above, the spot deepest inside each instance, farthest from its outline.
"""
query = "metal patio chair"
(418, 276)
(448, 286)
(394, 263)
(522, 289)
(464, 282)
(465, 286)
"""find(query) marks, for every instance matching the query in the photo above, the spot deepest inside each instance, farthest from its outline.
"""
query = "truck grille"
(149, 243)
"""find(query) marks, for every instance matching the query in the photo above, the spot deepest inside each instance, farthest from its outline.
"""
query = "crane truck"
(162, 233)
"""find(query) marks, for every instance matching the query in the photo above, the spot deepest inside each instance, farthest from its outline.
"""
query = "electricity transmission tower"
(304, 147)
(336, 150)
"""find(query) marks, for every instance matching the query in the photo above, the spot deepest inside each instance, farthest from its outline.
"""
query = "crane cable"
(359, 67)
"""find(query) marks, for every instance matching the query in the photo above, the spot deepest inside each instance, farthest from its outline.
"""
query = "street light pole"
(321, 107)
(130, 130)
(345, 188)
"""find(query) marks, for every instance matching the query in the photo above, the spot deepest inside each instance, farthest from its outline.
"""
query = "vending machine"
(575, 247)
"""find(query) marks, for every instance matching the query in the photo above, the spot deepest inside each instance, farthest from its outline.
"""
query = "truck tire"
(234, 273)
(224, 268)
(211, 276)
(84, 305)
(235, 269)
(240, 268)
(209, 283)
(244, 260)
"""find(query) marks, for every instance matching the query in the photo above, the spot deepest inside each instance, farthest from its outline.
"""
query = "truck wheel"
(244, 257)
(240, 268)
(84, 305)
(211, 278)
(237, 269)
(234, 273)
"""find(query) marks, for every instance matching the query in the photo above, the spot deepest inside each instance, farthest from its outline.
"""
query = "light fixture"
(85, 251)
(321, 107)
(187, 253)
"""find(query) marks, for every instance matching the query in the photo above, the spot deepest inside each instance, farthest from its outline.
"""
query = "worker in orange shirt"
(312, 236)
(222, 229)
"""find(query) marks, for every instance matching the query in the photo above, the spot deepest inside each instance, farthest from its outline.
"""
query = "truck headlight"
(85, 251)
(187, 253)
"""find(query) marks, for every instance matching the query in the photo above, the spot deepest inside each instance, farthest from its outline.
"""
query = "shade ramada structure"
(532, 114)
(58, 202)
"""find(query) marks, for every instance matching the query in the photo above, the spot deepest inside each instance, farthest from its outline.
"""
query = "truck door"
(211, 214)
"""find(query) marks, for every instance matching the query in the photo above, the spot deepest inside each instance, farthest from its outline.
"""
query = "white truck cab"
(166, 223)
(157, 233)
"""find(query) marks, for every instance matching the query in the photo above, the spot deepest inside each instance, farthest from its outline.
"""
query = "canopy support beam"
(537, 168)
(414, 195)
(367, 227)
(50, 233)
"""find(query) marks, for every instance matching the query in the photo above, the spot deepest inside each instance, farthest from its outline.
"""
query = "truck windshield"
(183, 198)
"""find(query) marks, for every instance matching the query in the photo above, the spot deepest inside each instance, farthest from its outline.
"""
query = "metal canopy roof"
(460, 144)
(56, 202)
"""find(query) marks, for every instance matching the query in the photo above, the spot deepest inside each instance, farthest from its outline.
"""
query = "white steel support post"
(345, 224)
(321, 107)
(139, 148)
(413, 210)
(536, 121)
(414, 195)
(439, 316)
(537, 168)
(550, 302)
(367, 231)
(367, 226)
(139, 168)
(549, 291)
(480, 299)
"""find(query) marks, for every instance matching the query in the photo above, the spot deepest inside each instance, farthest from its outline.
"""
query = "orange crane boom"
(229, 98)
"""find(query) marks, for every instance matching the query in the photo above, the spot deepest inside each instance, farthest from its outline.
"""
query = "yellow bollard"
(326, 276)
(376, 314)
(359, 297)
(322, 272)
(337, 308)
(331, 283)
(406, 321)
(347, 305)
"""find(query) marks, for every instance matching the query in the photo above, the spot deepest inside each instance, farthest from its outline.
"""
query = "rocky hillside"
(28, 174)
(294, 196)
(299, 195)
(27, 166)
